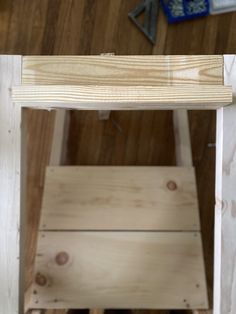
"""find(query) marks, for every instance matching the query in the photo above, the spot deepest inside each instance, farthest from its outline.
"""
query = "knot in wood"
(40, 280)
(171, 185)
(62, 258)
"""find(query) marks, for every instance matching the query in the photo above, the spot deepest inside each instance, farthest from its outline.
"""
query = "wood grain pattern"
(184, 154)
(10, 188)
(122, 97)
(120, 270)
(57, 27)
(59, 137)
(225, 230)
(39, 131)
(122, 70)
(120, 198)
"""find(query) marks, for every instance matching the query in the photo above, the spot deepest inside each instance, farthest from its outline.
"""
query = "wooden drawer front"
(120, 198)
(119, 270)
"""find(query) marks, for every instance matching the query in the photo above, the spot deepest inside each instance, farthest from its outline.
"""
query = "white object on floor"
(222, 6)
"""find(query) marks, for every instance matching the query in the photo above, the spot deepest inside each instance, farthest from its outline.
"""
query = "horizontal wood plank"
(122, 70)
(121, 198)
(122, 97)
(119, 270)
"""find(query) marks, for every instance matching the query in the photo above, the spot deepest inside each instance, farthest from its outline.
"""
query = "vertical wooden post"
(183, 153)
(225, 209)
(10, 176)
(183, 149)
(59, 139)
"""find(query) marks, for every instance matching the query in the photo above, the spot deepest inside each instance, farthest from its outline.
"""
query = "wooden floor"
(71, 27)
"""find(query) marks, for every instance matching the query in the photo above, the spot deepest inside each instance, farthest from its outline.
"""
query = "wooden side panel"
(225, 226)
(121, 198)
(122, 97)
(119, 270)
(58, 140)
(10, 169)
(123, 70)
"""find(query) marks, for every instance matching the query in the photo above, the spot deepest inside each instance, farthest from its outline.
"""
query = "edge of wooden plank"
(121, 199)
(123, 70)
(57, 244)
(11, 213)
(122, 97)
(184, 158)
(61, 122)
(225, 223)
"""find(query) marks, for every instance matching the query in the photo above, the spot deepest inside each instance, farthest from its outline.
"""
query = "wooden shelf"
(120, 198)
(93, 97)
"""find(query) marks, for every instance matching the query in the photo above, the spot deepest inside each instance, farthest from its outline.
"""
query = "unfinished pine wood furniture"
(105, 260)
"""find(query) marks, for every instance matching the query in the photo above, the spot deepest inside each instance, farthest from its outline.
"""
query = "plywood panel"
(138, 198)
(119, 270)
(122, 70)
(93, 97)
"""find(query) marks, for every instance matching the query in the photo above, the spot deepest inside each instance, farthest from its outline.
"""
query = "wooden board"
(121, 198)
(59, 138)
(122, 70)
(94, 97)
(225, 224)
(10, 171)
(119, 270)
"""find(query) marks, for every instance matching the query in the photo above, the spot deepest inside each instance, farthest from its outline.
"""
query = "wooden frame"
(130, 72)
(225, 222)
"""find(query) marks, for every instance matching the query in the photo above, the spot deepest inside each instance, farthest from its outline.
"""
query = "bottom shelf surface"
(119, 269)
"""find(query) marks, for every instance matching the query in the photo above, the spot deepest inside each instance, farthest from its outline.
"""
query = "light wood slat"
(123, 97)
(184, 156)
(10, 169)
(60, 134)
(182, 138)
(122, 70)
(120, 270)
(225, 210)
(137, 198)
